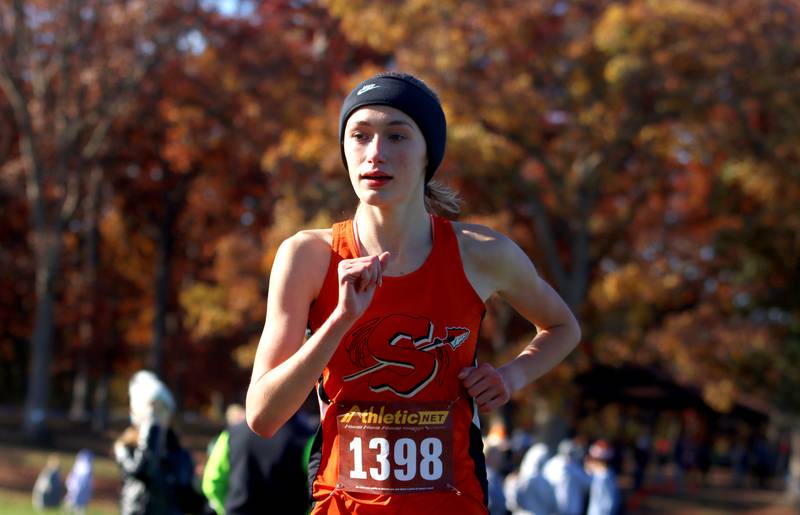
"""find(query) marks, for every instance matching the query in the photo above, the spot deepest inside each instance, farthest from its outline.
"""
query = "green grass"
(19, 503)
(103, 466)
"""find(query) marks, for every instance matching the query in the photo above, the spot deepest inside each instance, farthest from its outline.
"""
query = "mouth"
(376, 178)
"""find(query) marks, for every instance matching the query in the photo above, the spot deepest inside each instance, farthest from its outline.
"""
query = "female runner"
(394, 299)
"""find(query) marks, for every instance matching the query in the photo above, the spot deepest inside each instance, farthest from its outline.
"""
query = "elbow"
(260, 427)
(258, 423)
(577, 335)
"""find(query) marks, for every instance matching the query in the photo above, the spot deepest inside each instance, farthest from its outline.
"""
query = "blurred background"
(644, 153)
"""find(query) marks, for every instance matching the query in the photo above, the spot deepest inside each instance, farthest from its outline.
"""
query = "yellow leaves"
(635, 285)
(580, 86)
(245, 355)
(610, 290)
(472, 139)
(385, 25)
(720, 395)
(373, 23)
(755, 178)
(313, 144)
(289, 219)
(613, 32)
(622, 68)
(689, 11)
(214, 309)
(206, 310)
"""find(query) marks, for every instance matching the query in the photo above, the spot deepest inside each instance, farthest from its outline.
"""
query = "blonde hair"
(442, 200)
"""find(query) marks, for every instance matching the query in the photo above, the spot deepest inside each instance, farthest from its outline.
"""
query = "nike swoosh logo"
(368, 87)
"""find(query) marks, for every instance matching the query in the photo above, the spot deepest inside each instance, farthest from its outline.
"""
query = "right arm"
(286, 369)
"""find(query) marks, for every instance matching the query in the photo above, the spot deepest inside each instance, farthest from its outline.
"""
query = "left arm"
(496, 265)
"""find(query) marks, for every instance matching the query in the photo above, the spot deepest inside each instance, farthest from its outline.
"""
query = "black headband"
(408, 94)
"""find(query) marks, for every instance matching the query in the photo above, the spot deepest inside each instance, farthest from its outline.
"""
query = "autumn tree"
(68, 70)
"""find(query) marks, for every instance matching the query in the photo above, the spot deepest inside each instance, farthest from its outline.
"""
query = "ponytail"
(442, 200)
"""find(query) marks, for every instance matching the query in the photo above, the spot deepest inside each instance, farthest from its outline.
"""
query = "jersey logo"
(400, 353)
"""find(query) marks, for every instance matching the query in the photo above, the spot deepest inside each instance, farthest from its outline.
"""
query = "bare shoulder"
(309, 243)
(491, 259)
(481, 245)
(303, 258)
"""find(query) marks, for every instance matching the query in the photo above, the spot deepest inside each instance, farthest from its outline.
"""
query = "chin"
(376, 198)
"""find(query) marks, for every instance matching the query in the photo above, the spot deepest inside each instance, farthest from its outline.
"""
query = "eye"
(358, 136)
(397, 137)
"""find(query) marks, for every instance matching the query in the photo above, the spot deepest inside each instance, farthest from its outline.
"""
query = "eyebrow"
(393, 122)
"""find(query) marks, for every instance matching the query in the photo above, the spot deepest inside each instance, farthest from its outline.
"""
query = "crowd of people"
(245, 473)
(570, 481)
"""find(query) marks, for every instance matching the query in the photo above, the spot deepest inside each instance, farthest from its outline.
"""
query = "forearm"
(277, 394)
(547, 349)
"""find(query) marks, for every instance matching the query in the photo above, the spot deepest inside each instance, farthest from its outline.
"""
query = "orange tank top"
(399, 433)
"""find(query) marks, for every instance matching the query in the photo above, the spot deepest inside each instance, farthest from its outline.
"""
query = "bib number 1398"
(394, 448)
(403, 461)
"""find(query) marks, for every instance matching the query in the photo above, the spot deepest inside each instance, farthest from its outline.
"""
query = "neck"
(404, 231)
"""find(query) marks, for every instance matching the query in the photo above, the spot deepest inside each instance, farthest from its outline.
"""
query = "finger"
(493, 403)
(364, 279)
(480, 388)
(465, 372)
(384, 260)
(374, 273)
(377, 269)
(474, 376)
(486, 398)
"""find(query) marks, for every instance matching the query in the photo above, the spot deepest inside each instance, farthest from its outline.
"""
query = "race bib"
(395, 448)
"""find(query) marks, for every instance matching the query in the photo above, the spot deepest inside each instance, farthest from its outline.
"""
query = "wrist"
(509, 376)
(340, 317)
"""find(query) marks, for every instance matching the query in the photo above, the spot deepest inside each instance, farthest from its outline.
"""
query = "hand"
(486, 385)
(142, 414)
(358, 279)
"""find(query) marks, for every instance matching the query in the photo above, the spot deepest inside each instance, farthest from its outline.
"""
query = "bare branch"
(71, 199)
(544, 230)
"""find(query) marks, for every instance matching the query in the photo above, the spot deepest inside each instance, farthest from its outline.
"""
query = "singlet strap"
(343, 242)
(445, 243)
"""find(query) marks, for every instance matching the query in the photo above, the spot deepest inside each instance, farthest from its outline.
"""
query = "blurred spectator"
(739, 461)
(604, 495)
(157, 472)
(568, 479)
(684, 460)
(528, 492)
(79, 483)
(217, 468)
(495, 458)
(763, 462)
(48, 489)
(703, 458)
(641, 457)
(267, 475)
(663, 449)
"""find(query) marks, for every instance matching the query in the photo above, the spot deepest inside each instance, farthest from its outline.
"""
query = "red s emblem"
(400, 353)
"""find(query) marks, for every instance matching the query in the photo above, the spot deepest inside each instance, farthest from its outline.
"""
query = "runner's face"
(386, 155)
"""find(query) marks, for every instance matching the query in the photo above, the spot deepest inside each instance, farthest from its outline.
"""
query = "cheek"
(412, 158)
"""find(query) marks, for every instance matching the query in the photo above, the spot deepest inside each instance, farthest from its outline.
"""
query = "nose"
(375, 150)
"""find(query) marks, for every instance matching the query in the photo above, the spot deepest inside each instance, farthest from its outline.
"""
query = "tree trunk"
(47, 254)
(88, 332)
(162, 285)
(80, 391)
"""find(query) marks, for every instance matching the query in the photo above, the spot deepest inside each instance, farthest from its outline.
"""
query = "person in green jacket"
(217, 469)
(247, 474)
